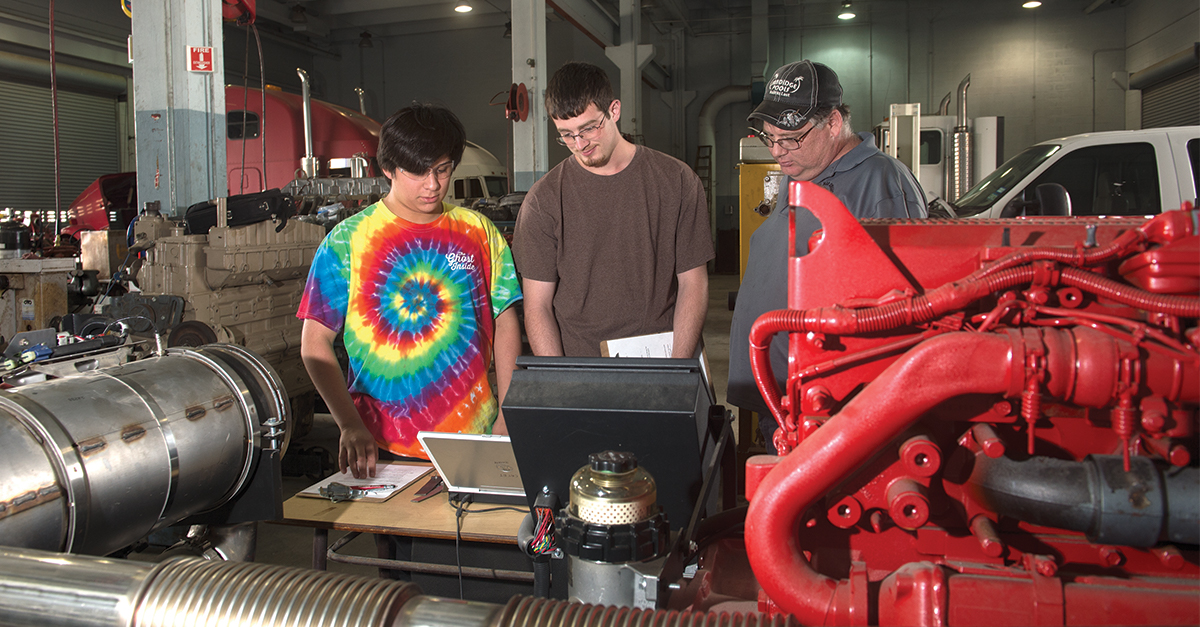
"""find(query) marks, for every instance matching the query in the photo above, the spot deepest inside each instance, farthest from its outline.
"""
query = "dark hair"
(417, 136)
(575, 86)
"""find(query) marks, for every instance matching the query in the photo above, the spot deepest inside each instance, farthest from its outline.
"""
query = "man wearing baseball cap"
(806, 126)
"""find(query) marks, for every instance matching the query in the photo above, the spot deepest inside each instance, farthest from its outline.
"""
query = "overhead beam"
(595, 22)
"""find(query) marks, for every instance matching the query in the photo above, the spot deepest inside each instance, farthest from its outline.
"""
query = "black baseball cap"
(795, 92)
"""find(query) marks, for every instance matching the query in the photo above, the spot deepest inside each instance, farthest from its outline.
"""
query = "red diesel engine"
(987, 422)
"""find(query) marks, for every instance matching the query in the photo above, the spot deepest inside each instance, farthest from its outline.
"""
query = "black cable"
(113, 280)
(262, 119)
(460, 510)
(245, 106)
(460, 504)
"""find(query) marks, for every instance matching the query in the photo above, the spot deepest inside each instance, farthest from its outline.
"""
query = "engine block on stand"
(239, 285)
(985, 422)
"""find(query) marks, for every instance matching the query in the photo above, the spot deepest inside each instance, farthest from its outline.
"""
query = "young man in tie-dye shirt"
(422, 293)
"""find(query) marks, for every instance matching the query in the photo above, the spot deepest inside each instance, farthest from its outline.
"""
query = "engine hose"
(1183, 306)
(1095, 496)
(1079, 369)
(839, 321)
(941, 368)
(1163, 228)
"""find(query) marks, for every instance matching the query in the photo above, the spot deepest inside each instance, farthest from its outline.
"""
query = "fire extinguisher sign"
(200, 58)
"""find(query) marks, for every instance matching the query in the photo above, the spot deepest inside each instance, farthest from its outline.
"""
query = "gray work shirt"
(872, 185)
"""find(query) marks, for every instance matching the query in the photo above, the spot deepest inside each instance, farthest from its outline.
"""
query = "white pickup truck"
(1138, 172)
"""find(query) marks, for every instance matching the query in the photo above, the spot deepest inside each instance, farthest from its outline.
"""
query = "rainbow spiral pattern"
(418, 304)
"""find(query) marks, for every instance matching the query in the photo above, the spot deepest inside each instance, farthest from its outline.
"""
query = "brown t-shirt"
(614, 244)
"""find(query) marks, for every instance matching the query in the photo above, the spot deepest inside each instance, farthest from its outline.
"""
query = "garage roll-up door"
(1173, 102)
(88, 143)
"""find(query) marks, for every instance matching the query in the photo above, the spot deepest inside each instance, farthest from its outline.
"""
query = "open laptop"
(480, 466)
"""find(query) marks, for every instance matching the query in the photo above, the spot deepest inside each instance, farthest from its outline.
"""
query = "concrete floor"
(292, 546)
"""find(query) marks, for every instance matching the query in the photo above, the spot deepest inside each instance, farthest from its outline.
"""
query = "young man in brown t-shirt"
(613, 242)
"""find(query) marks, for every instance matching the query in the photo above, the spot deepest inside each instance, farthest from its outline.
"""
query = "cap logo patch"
(790, 119)
(783, 88)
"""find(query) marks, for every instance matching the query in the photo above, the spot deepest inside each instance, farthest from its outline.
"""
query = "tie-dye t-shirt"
(418, 304)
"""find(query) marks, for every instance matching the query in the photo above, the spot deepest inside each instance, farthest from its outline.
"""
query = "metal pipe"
(308, 163)
(98, 460)
(961, 120)
(41, 588)
(962, 180)
(362, 100)
(422, 567)
(944, 106)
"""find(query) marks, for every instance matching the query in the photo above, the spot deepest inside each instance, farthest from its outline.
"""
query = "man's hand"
(356, 451)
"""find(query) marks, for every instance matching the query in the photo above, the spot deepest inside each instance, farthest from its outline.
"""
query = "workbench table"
(432, 518)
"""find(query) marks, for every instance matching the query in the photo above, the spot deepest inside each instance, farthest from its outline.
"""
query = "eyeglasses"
(587, 134)
(786, 143)
(440, 172)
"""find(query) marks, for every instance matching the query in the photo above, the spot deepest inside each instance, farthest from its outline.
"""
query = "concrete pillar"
(530, 159)
(179, 114)
(630, 58)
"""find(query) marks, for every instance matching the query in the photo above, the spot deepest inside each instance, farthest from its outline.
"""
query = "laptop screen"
(473, 463)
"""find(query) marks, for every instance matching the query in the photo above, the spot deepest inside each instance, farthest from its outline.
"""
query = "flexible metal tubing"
(183, 593)
(536, 612)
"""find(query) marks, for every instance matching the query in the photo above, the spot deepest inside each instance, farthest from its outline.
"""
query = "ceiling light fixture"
(508, 29)
(847, 13)
(298, 15)
(1032, 4)
(463, 7)
(364, 40)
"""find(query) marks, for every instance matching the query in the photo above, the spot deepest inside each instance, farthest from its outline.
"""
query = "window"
(1114, 180)
(931, 147)
(470, 187)
(986, 192)
(497, 186)
(242, 124)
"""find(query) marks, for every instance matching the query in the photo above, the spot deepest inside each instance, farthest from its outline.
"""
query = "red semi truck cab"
(337, 133)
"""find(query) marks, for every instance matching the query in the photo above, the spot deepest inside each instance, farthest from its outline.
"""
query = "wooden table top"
(432, 518)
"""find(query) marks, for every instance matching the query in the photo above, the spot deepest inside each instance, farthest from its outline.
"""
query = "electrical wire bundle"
(543, 537)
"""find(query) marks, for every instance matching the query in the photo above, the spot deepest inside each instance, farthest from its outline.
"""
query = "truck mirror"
(1053, 200)
(1014, 208)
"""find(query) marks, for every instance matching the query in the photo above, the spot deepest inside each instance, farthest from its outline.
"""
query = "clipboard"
(397, 475)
